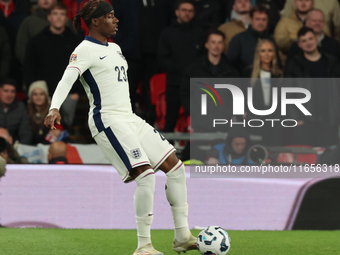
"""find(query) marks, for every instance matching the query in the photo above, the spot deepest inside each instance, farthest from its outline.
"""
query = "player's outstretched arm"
(51, 117)
(59, 96)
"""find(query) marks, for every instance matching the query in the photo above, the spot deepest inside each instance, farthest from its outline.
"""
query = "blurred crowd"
(183, 39)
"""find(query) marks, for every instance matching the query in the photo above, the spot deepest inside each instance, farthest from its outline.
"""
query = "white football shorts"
(131, 144)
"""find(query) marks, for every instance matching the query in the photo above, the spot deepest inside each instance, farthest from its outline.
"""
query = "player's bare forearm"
(51, 117)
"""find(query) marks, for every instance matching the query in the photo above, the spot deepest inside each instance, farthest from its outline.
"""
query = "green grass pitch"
(123, 242)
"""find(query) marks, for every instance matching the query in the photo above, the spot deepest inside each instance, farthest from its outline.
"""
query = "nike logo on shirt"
(102, 57)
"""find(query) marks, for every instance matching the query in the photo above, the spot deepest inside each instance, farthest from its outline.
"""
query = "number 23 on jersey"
(121, 73)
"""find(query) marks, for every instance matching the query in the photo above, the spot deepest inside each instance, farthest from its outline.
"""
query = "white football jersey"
(103, 72)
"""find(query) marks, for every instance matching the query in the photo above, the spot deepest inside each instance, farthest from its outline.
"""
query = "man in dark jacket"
(47, 56)
(321, 128)
(32, 25)
(179, 46)
(242, 47)
(214, 64)
(48, 52)
(316, 21)
(311, 62)
(13, 114)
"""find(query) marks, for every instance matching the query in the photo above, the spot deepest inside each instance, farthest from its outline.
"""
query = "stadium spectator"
(288, 27)
(263, 70)
(12, 13)
(5, 54)
(265, 63)
(138, 37)
(38, 106)
(274, 7)
(57, 153)
(207, 14)
(180, 45)
(242, 47)
(239, 23)
(330, 8)
(32, 25)
(55, 42)
(316, 21)
(320, 129)
(213, 64)
(234, 151)
(9, 153)
(13, 115)
(311, 62)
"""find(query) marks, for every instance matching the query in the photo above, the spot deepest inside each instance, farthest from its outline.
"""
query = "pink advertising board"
(94, 197)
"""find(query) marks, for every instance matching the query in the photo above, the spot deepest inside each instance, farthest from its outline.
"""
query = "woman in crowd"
(38, 105)
(265, 62)
(262, 73)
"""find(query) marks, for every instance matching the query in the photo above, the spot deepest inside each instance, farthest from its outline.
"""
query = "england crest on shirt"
(136, 153)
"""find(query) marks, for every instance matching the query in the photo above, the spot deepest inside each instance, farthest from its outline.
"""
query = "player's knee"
(169, 163)
(178, 171)
(146, 178)
(137, 171)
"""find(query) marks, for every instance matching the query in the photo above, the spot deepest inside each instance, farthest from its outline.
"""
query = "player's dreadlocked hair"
(85, 13)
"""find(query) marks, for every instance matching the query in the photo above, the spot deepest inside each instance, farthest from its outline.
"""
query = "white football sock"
(143, 201)
(176, 193)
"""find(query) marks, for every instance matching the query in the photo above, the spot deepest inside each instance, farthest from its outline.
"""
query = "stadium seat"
(190, 130)
(157, 86)
(300, 157)
(157, 91)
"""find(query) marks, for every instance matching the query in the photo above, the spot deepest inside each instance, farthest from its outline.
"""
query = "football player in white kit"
(132, 146)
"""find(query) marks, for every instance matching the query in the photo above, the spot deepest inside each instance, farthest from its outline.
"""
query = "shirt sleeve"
(80, 61)
(63, 88)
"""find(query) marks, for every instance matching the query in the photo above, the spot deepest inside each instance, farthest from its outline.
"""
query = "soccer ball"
(213, 240)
